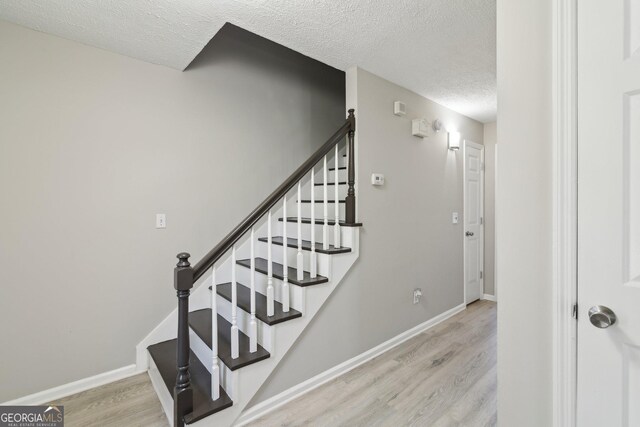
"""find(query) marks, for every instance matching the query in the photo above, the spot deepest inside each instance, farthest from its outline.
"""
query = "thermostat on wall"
(377, 179)
(420, 127)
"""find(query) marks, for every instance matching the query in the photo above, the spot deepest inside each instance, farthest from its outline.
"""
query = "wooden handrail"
(348, 128)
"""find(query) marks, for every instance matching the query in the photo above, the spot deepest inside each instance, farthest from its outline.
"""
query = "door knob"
(469, 233)
(602, 317)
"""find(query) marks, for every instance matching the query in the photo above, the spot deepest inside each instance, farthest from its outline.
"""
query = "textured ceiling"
(441, 49)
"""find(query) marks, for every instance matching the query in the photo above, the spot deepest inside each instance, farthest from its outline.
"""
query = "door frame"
(480, 147)
(565, 213)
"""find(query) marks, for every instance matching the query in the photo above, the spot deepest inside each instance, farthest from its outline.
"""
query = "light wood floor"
(445, 376)
(128, 402)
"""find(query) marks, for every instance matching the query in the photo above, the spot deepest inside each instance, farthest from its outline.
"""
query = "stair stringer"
(249, 379)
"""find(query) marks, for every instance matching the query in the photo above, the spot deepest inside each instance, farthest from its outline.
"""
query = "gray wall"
(524, 205)
(490, 147)
(407, 241)
(93, 145)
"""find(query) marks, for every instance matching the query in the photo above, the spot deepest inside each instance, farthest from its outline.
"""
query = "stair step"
(342, 168)
(320, 221)
(164, 356)
(306, 245)
(321, 201)
(244, 302)
(262, 265)
(318, 184)
(200, 322)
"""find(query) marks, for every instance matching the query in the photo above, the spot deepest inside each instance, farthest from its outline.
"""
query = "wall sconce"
(454, 141)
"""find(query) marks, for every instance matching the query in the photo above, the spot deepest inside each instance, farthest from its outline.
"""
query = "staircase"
(243, 306)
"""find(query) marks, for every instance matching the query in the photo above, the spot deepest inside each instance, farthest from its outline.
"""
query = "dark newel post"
(183, 393)
(350, 201)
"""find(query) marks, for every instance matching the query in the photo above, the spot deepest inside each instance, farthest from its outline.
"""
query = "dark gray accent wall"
(93, 145)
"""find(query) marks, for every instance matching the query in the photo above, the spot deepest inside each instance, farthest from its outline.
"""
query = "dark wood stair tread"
(321, 201)
(342, 168)
(306, 245)
(244, 302)
(262, 267)
(319, 184)
(200, 322)
(164, 356)
(320, 221)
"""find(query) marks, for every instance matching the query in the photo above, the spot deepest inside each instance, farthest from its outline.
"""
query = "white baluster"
(336, 227)
(299, 257)
(215, 367)
(285, 269)
(253, 325)
(325, 227)
(234, 307)
(270, 292)
(313, 259)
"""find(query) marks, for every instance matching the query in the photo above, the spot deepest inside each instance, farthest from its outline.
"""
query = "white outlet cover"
(455, 218)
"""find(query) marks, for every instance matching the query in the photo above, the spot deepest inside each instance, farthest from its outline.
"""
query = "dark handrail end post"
(352, 119)
(350, 200)
(182, 392)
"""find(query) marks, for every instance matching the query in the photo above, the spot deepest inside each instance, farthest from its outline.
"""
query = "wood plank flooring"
(128, 402)
(443, 377)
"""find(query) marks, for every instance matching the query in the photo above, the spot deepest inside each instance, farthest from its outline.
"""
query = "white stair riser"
(306, 232)
(319, 194)
(342, 173)
(264, 330)
(277, 255)
(228, 378)
(296, 293)
(319, 213)
(166, 400)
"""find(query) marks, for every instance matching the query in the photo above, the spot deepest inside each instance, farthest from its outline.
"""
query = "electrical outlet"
(417, 294)
(161, 221)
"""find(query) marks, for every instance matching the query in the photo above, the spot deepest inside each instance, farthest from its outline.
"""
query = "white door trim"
(480, 147)
(565, 217)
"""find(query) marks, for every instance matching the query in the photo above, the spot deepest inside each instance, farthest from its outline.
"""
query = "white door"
(608, 383)
(473, 229)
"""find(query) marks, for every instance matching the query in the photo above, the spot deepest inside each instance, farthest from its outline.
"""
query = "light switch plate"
(454, 218)
(161, 221)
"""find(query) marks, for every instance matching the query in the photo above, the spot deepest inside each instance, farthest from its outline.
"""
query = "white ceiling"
(441, 49)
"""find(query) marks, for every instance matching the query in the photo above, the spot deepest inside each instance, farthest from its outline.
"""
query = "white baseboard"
(489, 297)
(75, 387)
(288, 395)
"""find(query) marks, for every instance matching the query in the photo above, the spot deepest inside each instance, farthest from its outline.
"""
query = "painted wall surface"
(407, 241)
(524, 213)
(93, 145)
(490, 141)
